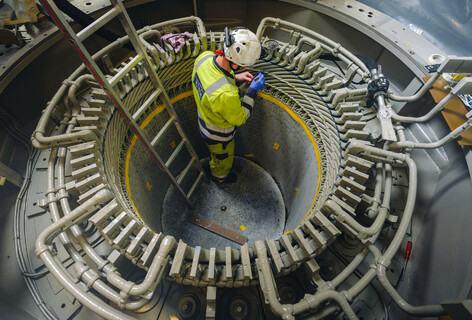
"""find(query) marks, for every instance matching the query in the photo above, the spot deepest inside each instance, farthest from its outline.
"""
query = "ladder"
(76, 40)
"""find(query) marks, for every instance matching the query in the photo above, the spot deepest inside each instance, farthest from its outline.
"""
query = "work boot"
(230, 178)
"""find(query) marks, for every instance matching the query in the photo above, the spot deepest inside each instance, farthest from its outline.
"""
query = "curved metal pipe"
(153, 275)
(418, 311)
(40, 141)
(336, 48)
(83, 271)
(43, 252)
(436, 144)
(439, 106)
(417, 95)
(344, 93)
(307, 303)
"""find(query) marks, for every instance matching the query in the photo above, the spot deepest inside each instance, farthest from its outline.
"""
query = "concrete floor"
(252, 206)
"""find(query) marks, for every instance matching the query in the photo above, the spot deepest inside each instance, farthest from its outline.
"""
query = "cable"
(28, 276)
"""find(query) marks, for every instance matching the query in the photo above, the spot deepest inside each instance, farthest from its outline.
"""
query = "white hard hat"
(241, 46)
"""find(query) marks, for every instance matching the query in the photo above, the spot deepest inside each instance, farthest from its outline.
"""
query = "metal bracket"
(454, 64)
(211, 303)
(463, 87)
(385, 117)
(458, 309)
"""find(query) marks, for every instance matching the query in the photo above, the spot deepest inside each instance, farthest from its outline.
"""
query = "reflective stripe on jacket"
(220, 104)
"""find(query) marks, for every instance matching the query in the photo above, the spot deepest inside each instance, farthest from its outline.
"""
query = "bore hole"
(437, 58)
(370, 16)
(349, 6)
(88, 3)
(361, 10)
(34, 203)
(63, 305)
(371, 12)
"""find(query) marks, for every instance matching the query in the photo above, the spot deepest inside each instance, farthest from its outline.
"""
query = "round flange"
(188, 306)
(239, 309)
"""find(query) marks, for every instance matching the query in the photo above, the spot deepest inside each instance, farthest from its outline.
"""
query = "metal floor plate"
(252, 206)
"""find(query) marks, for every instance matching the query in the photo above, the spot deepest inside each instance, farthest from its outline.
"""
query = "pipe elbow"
(167, 244)
(287, 312)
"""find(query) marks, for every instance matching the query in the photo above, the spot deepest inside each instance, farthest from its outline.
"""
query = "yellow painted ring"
(190, 93)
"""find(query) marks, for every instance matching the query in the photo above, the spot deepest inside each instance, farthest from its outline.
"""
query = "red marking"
(408, 250)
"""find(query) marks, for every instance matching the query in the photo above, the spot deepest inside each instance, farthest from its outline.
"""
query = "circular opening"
(436, 58)
(349, 6)
(276, 165)
(88, 3)
(361, 10)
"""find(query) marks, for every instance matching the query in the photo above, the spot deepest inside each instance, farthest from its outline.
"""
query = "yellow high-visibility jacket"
(221, 104)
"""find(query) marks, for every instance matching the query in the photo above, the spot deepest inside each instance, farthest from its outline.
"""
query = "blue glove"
(258, 82)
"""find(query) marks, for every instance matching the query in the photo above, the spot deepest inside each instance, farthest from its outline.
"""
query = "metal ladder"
(107, 84)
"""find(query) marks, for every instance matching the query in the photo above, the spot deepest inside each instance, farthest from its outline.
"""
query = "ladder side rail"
(65, 27)
(139, 47)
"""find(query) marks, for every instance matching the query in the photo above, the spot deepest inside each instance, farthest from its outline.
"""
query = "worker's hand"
(258, 82)
(244, 76)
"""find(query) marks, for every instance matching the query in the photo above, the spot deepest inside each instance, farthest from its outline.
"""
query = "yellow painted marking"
(276, 146)
(249, 155)
(308, 133)
(173, 145)
(460, 76)
(242, 227)
(298, 191)
(148, 186)
(133, 142)
(287, 232)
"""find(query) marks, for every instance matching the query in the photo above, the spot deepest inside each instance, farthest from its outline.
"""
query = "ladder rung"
(97, 24)
(125, 70)
(161, 132)
(192, 189)
(185, 171)
(175, 153)
(146, 104)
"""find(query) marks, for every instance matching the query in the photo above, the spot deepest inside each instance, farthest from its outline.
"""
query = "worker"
(221, 104)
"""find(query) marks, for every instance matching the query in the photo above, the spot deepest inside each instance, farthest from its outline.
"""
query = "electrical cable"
(368, 62)
(28, 276)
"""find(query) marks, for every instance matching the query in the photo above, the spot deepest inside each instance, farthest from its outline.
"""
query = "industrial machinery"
(354, 186)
